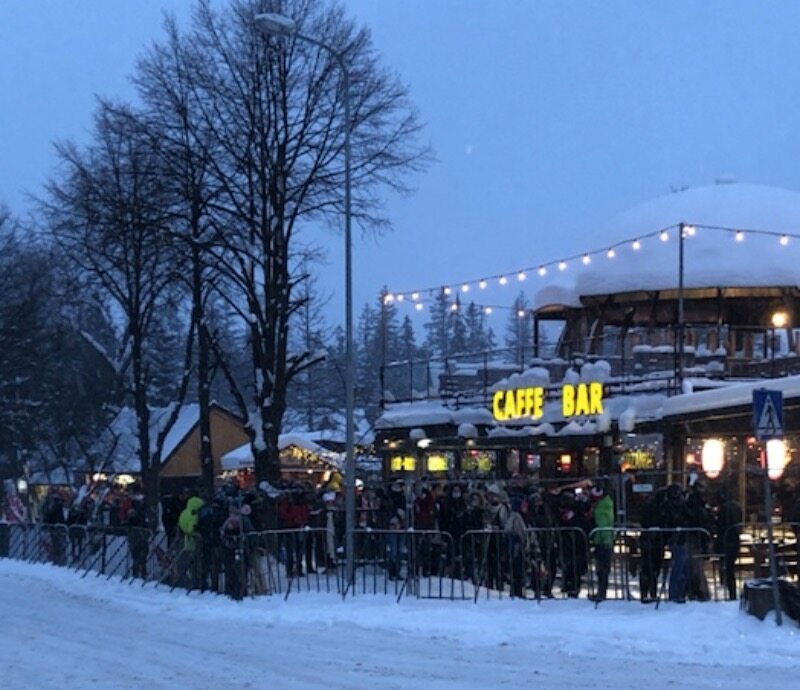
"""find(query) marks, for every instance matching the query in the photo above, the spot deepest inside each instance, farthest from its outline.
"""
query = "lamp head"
(780, 319)
(269, 23)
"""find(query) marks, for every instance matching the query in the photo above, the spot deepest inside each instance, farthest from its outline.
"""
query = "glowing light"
(521, 276)
(465, 288)
(388, 299)
(780, 319)
(487, 310)
(415, 296)
(447, 291)
(542, 271)
(777, 457)
(739, 236)
(454, 306)
(562, 265)
(663, 236)
(521, 313)
(586, 259)
(418, 305)
(713, 457)
(400, 297)
(503, 280)
(482, 285)
(689, 230)
(636, 245)
(784, 240)
(611, 253)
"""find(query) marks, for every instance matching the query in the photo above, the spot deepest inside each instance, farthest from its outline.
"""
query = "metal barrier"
(623, 563)
(529, 565)
(674, 563)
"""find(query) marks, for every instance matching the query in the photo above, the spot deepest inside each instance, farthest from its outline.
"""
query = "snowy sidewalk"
(61, 631)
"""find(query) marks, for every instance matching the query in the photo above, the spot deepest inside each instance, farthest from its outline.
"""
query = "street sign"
(767, 414)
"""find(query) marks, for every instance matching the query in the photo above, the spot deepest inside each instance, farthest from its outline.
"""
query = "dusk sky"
(546, 118)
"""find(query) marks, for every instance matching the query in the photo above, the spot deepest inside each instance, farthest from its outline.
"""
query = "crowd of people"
(514, 533)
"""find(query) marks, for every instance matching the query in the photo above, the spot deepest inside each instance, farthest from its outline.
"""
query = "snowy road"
(61, 631)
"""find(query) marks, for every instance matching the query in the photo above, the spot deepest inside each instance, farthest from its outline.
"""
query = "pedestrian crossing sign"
(767, 414)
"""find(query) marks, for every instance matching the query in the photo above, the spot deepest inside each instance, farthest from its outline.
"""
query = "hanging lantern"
(713, 457)
(777, 458)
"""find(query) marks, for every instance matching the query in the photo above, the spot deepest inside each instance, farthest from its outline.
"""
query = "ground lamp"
(713, 457)
(280, 25)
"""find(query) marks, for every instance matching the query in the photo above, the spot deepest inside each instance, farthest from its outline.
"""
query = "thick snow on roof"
(734, 395)
(117, 448)
(242, 457)
(712, 258)
(430, 413)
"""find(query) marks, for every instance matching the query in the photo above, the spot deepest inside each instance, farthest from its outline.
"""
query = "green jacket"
(188, 522)
(603, 517)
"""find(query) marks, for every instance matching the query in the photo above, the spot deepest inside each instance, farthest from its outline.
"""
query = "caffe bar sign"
(578, 400)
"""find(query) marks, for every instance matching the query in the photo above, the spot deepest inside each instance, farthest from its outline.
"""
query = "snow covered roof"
(430, 413)
(734, 395)
(242, 456)
(712, 257)
(119, 445)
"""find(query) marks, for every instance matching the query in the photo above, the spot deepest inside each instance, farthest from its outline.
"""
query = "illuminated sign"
(528, 403)
(438, 462)
(403, 463)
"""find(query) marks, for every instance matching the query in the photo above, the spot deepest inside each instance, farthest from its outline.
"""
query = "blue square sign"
(767, 414)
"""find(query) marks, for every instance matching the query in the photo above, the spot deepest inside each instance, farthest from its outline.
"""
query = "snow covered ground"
(61, 631)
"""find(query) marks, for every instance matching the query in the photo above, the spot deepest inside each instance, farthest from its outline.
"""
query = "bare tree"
(270, 112)
(110, 214)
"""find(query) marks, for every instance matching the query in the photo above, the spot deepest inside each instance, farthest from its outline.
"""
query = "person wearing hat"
(603, 536)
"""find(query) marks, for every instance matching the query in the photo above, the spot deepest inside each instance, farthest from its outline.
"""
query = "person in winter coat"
(729, 531)
(234, 549)
(652, 546)
(674, 518)
(571, 542)
(519, 546)
(425, 519)
(603, 539)
(190, 559)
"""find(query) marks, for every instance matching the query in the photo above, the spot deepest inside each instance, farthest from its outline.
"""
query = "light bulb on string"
(454, 306)
(482, 285)
(689, 230)
(739, 236)
(562, 265)
(415, 296)
(418, 306)
(663, 236)
(784, 240)
(637, 245)
(521, 276)
(465, 287)
(521, 313)
(611, 253)
(388, 299)
(447, 290)
(586, 259)
(400, 297)
(487, 310)
(503, 280)
(542, 271)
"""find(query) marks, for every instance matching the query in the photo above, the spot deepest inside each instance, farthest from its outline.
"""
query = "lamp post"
(280, 25)
(679, 334)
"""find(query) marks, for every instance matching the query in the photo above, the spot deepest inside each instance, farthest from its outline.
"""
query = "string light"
(487, 310)
(454, 306)
(636, 244)
(521, 313)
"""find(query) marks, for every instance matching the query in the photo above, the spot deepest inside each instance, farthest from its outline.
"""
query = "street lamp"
(271, 24)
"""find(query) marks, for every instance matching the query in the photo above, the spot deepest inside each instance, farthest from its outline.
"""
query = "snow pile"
(530, 378)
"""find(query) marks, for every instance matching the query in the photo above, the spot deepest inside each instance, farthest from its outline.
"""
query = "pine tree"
(519, 331)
